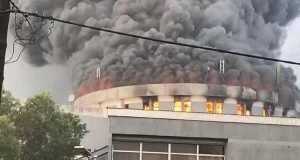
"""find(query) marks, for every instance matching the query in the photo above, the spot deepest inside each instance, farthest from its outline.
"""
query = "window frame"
(169, 152)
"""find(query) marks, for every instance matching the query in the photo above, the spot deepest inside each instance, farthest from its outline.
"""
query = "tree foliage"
(8, 103)
(9, 144)
(44, 132)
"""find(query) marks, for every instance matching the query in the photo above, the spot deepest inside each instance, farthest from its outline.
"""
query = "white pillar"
(278, 112)
(166, 103)
(198, 104)
(230, 106)
(134, 103)
(257, 108)
(292, 113)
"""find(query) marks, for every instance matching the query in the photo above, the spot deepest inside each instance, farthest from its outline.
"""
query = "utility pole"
(4, 20)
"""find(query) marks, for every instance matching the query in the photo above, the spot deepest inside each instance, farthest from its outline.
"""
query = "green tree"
(45, 132)
(9, 144)
(8, 103)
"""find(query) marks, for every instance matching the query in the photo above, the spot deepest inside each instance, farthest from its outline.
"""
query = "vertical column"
(278, 112)
(257, 108)
(292, 113)
(230, 106)
(134, 103)
(166, 103)
(198, 104)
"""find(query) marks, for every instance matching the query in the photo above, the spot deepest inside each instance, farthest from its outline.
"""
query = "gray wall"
(245, 141)
(98, 132)
(262, 150)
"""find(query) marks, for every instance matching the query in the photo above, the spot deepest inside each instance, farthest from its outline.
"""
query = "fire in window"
(248, 111)
(146, 107)
(177, 106)
(182, 104)
(209, 107)
(240, 108)
(156, 105)
(146, 104)
(219, 107)
(150, 103)
(187, 106)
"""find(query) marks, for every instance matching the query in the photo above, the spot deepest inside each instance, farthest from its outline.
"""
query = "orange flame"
(209, 107)
(156, 105)
(177, 106)
(219, 107)
(240, 109)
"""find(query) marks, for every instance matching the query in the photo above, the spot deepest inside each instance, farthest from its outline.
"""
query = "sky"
(24, 80)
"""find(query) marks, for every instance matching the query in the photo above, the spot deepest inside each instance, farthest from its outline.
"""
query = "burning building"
(185, 121)
(164, 101)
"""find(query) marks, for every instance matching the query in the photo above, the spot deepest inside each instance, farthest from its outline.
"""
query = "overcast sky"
(24, 80)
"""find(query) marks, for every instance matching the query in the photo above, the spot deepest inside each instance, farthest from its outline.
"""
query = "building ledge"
(120, 112)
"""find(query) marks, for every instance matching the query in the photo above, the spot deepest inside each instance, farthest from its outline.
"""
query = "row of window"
(165, 151)
(212, 106)
(151, 156)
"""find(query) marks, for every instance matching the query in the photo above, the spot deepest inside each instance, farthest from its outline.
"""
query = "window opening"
(219, 107)
(182, 103)
(240, 108)
(209, 106)
(150, 103)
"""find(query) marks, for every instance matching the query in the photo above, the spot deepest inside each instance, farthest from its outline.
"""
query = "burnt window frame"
(183, 99)
(214, 101)
(150, 100)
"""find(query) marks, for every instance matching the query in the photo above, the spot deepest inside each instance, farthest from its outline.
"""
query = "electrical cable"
(158, 40)
(28, 39)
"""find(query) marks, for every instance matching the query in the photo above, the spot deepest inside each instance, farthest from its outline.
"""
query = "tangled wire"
(28, 30)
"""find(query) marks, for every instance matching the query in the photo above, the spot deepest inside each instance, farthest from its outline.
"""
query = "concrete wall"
(134, 103)
(191, 89)
(185, 128)
(245, 141)
(166, 103)
(98, 132)
(262, 150)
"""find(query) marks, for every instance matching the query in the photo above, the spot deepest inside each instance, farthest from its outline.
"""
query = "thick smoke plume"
(249, 26)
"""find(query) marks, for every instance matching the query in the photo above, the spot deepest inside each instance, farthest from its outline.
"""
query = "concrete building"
(188, 122)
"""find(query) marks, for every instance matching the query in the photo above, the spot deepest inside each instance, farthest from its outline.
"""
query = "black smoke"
(254, 27)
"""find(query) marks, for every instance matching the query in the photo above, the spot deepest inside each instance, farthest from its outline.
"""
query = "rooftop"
(192, 116)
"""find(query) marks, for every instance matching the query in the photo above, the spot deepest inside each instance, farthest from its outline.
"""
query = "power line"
(157, 40)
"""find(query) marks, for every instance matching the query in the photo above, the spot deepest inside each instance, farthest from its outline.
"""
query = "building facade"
(188, 122)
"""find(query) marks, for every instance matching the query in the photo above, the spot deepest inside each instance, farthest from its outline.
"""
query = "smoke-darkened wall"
(253, 27)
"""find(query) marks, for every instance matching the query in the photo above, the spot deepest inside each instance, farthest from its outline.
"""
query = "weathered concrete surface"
(184, 128)
(177, 89)
(245, 141)
(262, 150)
(98, 132)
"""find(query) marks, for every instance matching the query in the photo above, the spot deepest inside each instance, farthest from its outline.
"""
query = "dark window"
(127, 146)
(215, 150)
(211, 158)
(126, 156)
(148, 156)
(126, 106)
(183, 157)
(183, 148)
(103, 157)
(155, 147)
